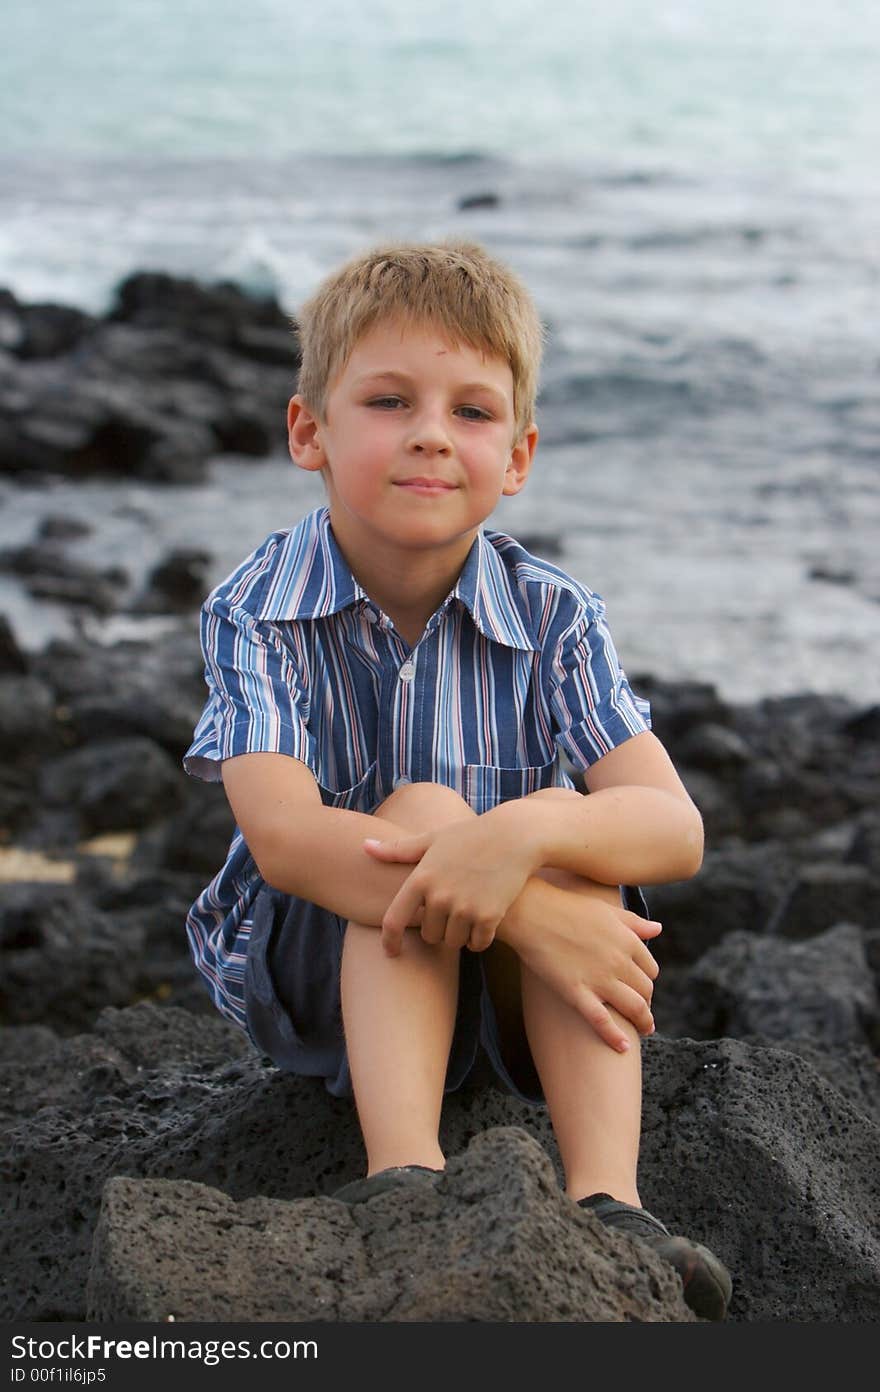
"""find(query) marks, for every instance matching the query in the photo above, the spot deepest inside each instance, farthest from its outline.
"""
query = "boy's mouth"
(428, 486)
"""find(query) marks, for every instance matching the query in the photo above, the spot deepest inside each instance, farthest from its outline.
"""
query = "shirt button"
(401, 781)
(407, 672)
(371, 616)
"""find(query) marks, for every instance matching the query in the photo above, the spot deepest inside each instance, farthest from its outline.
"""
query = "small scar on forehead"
(441, 352)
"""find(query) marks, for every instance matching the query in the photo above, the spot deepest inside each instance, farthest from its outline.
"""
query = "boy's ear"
(521, 457)
(303, 437)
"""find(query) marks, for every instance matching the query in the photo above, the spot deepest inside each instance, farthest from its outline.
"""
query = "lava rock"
(546, 544)
(197, 838)
(495, 1240)
(219, 313)
(824, 894)
(747, 1149)
(113, 784)
(59, 528)
(49, 573)
(156, 690)
(62, 959)
(865, 848)
(736, 890)
(709, 746)
(174, 375)
(471, 201)
(864, 725)
(41, 330)
(678, 707)
(821, 989)
(178, 584)
(27, 716)
(12, 658)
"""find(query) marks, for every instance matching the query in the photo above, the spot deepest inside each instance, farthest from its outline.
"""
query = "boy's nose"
(429, 437)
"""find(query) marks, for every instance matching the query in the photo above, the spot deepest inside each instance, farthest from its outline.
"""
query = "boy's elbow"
(694, 845)
(272, 857)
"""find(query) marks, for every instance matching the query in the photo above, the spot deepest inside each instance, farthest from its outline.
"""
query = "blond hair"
(456, 286)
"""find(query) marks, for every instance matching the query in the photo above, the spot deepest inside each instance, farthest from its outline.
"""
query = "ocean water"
(689, 188)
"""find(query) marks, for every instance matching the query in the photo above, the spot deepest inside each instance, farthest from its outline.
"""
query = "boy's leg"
(399, 1014)
(593, 1093)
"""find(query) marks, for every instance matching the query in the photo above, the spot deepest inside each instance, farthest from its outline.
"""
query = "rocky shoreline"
(153, 1163)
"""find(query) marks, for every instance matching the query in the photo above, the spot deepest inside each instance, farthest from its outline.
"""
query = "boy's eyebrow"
(394, 376)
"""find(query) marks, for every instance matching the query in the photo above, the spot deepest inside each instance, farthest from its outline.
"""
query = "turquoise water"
(755, 83)
(688, 186)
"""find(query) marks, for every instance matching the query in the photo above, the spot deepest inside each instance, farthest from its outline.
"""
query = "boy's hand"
(592, 954)
(468, 875)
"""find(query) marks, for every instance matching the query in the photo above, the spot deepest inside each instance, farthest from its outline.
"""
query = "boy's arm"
(304, 848)
(588, 952)
(638, 826)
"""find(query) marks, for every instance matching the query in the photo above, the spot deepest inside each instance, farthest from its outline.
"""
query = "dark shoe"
(398, 1177)
(707, 1284)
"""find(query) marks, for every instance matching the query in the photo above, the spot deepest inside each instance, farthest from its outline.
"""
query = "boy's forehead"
(393, 342)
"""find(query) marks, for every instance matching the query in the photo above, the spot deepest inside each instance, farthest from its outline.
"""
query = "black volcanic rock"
(156, 690)
(821, 989)
(178, 584)
(220, 313)
(748, 1148)
(762, 1142)
(496, 1239)
(113, 784)
(825, 893)
(175, 374)
(48, 572)
(27, 715)
(12, 659)
(62, 959)
(40, 330)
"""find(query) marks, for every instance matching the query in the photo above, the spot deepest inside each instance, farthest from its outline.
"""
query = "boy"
(413, 872)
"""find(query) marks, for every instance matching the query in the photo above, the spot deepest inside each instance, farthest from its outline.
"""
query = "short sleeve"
(594, 707)
(256, 703)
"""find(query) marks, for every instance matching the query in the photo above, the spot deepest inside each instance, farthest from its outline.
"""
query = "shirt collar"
(489, 592)
(311, 580)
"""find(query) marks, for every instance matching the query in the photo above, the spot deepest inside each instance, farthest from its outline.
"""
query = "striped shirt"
(515, 670)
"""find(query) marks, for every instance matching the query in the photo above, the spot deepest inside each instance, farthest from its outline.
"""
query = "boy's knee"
(423, 805)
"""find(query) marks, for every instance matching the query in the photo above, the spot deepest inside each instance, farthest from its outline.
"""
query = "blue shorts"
(294, 1010)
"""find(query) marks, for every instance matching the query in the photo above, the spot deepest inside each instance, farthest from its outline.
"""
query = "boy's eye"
(475, 413)
(385, 403)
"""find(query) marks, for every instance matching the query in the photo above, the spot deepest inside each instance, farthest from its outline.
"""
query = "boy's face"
(416, 445)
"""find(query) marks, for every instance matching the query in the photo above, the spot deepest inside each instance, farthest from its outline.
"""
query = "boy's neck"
(409, 586)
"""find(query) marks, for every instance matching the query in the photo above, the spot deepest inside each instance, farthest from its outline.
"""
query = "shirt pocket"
(484, 786)
(360, 797)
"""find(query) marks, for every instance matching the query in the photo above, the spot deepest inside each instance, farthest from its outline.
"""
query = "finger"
(403, 850)
(401, 912)
(649, 965)
(631, 974)
(644, 927)
(645, 962)
(482, 936)
(632, 1006)
(458, 930)
(597, 1015)
(637, 980)
(434, 920)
